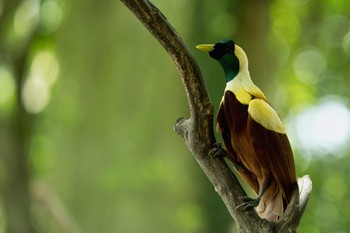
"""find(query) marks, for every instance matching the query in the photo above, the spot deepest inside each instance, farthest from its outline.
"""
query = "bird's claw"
(248, 202)
(217, 151)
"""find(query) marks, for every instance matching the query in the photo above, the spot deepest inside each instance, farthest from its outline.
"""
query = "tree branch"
(54, 207)
(197, 131)
(16, 130)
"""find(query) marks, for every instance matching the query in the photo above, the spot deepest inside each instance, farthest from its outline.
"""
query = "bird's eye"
(230, 50)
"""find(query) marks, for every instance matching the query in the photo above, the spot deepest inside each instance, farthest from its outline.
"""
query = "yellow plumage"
(265, 115)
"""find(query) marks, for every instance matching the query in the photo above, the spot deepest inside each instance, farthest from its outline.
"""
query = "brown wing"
(275, 150)
(232, 122)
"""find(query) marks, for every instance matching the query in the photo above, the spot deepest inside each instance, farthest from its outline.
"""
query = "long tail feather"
(271, 204)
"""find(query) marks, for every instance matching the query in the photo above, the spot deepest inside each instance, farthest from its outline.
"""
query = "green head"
(224, 52)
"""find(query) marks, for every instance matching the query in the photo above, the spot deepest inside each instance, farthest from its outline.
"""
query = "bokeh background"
(88, 100)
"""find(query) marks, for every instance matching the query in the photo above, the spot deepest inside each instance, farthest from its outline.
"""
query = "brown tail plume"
(271, 206)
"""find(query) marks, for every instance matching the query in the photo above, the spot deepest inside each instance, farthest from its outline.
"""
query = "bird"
(253, 134)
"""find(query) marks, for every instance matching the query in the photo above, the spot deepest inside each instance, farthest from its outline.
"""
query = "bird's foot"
(248, 202)
(218, 151)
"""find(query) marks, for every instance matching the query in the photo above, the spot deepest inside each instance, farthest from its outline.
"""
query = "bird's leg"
(219, 152)
(249, 202)
(238, 166)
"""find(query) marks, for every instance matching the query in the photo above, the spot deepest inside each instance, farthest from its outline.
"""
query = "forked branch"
(197, 131)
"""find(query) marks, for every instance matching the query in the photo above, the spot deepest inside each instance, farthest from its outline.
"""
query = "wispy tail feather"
(271, 204)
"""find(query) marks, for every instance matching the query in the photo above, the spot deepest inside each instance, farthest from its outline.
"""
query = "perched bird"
(253, 134)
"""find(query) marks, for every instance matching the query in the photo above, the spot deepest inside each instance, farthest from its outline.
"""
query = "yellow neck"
(243, 87)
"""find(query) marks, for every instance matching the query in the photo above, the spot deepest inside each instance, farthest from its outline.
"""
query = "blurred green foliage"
(105, 95)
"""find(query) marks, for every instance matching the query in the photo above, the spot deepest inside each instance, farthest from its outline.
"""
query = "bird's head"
(231, 57)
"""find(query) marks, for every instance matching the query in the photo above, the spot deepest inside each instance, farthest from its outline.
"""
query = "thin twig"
(55, 208)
